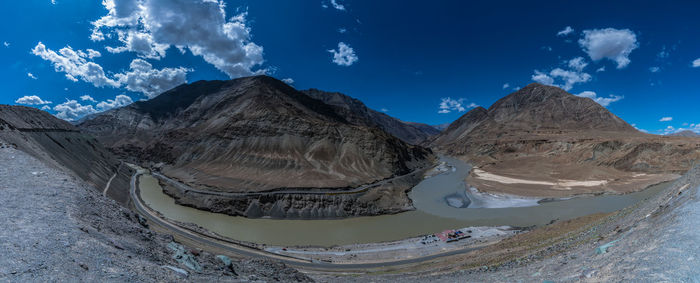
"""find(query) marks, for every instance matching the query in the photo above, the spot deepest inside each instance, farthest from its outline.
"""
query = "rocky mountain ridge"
(254, 134)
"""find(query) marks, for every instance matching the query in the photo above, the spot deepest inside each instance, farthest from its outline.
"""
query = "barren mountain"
(410, 132)
(62, 145)
(254, 134)
(544, 141)
(688, 134)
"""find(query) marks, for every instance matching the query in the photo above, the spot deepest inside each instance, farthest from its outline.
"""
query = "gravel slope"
(657, 240)
(57, 228)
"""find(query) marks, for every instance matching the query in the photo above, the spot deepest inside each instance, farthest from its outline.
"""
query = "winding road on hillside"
(223, 244)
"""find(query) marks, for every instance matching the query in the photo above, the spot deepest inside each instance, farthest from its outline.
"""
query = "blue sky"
(418, 61)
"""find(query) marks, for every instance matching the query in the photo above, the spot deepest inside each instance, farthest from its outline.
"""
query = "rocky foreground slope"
(61, 144)
(57, 228)
(545, 135)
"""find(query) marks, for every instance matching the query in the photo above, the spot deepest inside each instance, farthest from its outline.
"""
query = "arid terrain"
(543, 141)
(569, 152)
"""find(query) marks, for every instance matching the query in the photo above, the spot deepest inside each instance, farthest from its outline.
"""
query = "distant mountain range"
(688, 134)
(410, 132)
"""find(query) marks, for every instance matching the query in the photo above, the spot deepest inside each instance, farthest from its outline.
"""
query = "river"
(432, 214)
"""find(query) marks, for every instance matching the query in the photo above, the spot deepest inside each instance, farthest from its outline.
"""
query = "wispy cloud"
(448, 105)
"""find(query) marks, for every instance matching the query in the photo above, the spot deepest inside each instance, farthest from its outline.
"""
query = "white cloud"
(342, 30)
(72, 110)
(53, 2)
(568, 78)
(601, 69)
(288, 81)
(448, 105)
(336, 4)
(7, 44)
(506, 85)
(696, 63)
(142, 77)
(654, 69)
(384, 110)
(666, 119)
(566, 31)
(542, 78)
(46, 108)
(31, 76)
(604, 101)
(344, 56)
(577, 63)
(150, 27)
(610, 43)
(87, 98)
(32, 100)
(75, 65)
(119, 101)
(151, 82)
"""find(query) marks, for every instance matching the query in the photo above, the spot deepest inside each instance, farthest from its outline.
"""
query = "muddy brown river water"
(432, 214)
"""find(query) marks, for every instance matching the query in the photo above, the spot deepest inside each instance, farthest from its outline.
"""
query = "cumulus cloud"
(32, 76)
(142, 77)
(145, 79)
(696, 63)
(119, 101)
(567, 78)
(666, 119)
(604, 101)
(542, 78)
(448, 105)
(609, 43)
(335, 3)
(87, 98)
(32, 100)
(577, 63)
(288, 81)
(566, 31)
(46, 108)
(75, 65)
(150, 27)
(72, 110)
(344, 55)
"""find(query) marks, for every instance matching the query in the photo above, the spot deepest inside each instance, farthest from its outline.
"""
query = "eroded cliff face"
(254, 134)
(62, 145)
(388, 198)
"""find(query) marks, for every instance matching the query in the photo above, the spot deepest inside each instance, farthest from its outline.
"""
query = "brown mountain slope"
(62, 145)
(413, 133)
(688, 134)
(544, 141)
(254, 134)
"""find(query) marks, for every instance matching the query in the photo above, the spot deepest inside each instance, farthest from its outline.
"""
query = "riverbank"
(654, 240)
